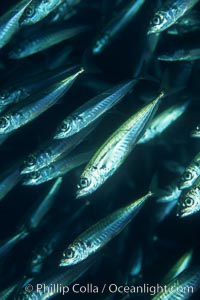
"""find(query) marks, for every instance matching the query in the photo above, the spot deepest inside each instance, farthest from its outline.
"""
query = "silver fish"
(44, 206)
(181, 55)
(54, 150)
(189, 202)
(116, 25)
(57, 168)
(20, 90)
(171, 193)
(4, 294)
(41, 41)
(9, 180)
(64, 11)
(52, 241)
(58, 278)
(20, 116)
(9, 22)
(196, 133)
(98, 235)
(191, 173)
(163, 121)
(92, 110)
(33, 218)
(116, 148)
(38, 10)
(182, 287)
(10, 242)
(188, 23)
(169, 14)
(181, 265)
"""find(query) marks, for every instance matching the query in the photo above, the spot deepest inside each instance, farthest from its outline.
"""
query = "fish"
(9, 22)
(41, 41)
(92, 110)
(115, 149)
(20, 90)
(52, 241)
(163, 121)
(115, 26)
(37, 214)
(196, 133)
(64, 11)
(33, 218)
(188, 23)
(21, 115)
(191, 173)
(99, 234)
(61, 279)
(37, 10)
(7, 245)
(9, 179)
(182, 287)
(181, 55)
(4, 294)
(58, 168)
(53, 150)
(170, 193)
(168, 14)
(181, 265)
(189, 202)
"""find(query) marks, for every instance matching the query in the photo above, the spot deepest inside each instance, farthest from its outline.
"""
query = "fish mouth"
(58, 136)
(62, 263)
(81, 193)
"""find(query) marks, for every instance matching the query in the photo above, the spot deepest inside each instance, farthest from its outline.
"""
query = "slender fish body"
(191, 173)
(18, 91)
(9, 180)
(60, 279)
(4, 295)
(9, 22)
(57, 168)
(116, 148)
(54, 150)
(163, 121)
(189, 202)
(98, 235)
(188, 23)
(20, 116)
(10, 242)
(169, 14)
(45, 205)
(181, 265)
(182, 287)
(44, 40)
(64, 11)
(181, 55)
(115, 26)
(38, 10)
(92, 110)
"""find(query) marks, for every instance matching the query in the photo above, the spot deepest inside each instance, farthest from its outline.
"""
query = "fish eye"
(34, 175)
(84, 182)
(69, 253)
(30, 161)
(189, 202)
(187, 176)
(3, 122)
(65, 127)
(156, 20)
(29, 11)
